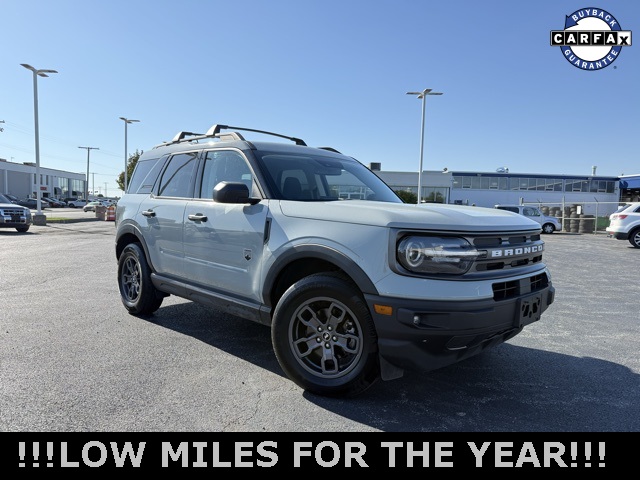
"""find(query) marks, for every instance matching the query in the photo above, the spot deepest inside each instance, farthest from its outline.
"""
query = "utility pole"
(105, 189)
(86, 185)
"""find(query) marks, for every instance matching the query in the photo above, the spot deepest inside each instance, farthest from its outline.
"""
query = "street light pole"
(422, 95)
(86, 185)
(126, 122)
(37, 73)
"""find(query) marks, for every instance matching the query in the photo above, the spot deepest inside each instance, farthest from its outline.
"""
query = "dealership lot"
(72, 359)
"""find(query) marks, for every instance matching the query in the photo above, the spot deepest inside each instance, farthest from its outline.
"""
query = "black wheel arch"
(130, 233)
(303, 260)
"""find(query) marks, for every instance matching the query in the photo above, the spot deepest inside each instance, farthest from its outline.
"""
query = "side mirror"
(233, 192)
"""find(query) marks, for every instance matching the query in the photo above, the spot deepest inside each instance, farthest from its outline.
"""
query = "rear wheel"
(634, 238)
(324, 337)
(137, 292)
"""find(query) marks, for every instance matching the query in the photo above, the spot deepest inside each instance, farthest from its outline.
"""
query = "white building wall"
(592, 203)
(18, 179)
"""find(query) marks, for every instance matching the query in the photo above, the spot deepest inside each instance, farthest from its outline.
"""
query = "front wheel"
(324, 337)
(137, 292)
(548, 228)
(634, 238)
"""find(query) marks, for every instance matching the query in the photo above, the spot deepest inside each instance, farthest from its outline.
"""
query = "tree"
(407, 196)
(131, 164)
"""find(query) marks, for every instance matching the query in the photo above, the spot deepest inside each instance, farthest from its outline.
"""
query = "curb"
(74, 220)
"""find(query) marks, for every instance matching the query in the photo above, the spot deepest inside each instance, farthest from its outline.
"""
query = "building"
(595, 195)
(19, 179)
(630, 188)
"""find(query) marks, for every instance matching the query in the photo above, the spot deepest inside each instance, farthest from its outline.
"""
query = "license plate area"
(16, 219)
(529, 310)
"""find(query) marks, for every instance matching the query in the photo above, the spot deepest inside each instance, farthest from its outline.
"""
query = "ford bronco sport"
(355, 285)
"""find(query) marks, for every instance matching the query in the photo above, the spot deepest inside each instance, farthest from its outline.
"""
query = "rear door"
(161, 215)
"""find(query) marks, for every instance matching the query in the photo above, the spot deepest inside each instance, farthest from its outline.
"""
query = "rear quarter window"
(145, 175)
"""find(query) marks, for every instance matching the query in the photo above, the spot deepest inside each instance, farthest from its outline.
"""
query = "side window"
(145, 175)
(224, 165)
(176, 179)
(531, 212)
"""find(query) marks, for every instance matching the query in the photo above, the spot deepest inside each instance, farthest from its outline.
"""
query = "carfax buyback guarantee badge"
(592, 39)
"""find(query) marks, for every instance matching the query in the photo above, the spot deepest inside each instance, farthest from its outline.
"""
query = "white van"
(548, 224)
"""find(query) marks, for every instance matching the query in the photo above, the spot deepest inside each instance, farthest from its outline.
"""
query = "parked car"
(77, 203)
(32, 203)
(625, 224)
(13, 215)
(55, 203)
(91, 206)
(548, 224)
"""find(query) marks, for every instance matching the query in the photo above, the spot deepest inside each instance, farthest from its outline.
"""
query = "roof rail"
(331, 149)
(181, 136)
(215, 130)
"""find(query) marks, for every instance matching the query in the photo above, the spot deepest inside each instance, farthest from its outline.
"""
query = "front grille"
(13, 211)
(514, 288)
(507, 252)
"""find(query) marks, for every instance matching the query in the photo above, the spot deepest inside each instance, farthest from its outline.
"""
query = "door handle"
(197, 217)
(149, 213)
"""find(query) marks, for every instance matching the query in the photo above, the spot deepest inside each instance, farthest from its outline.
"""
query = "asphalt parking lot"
(73, 360)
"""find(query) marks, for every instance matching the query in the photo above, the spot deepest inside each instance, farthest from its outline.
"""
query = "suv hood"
(13, 205)
(432, 216)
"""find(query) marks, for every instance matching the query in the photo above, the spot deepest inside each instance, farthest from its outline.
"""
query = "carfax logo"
(592, 39)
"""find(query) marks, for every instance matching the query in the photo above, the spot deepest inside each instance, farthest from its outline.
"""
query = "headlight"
(433, 255)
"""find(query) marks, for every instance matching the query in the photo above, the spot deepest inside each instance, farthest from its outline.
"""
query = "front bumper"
(14, 221)
(427, 335)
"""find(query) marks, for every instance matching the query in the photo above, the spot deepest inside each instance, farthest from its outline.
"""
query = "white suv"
(77, 203)
(625, 224)
(548, 224)
(355, 285)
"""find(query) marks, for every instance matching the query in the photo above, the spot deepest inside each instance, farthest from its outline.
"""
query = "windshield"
(4, 199)
(323, 178)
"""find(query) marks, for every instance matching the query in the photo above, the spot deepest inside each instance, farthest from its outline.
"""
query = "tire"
(137, 292)
(548, 228)
(331, 355)
(634, 238)
(22, 229)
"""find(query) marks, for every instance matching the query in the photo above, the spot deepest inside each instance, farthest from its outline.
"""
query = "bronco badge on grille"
(515, 251)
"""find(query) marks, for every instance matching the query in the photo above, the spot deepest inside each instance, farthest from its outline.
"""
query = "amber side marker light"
(383, 309)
